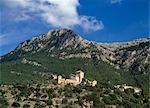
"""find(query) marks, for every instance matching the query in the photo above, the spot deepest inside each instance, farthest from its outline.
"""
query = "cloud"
(90, 23)
(19, 16)
(115, 1)
(57, 13)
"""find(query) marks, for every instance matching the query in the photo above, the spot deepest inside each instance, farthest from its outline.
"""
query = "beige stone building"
(74, 79)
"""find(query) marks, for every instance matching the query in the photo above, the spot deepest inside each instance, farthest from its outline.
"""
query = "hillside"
(26, 72)
(52, 95)
(63, 51)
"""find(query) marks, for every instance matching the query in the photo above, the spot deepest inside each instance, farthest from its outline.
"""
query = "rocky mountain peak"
(59, 38)
(53, 37)
(64, 38)
(61, 33)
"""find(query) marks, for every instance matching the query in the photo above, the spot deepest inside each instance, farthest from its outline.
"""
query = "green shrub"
(64, 101)
(26, 106)
(15, 104)
(3, 102)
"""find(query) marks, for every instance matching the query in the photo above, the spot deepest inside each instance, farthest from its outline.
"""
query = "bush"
(64, 101)
(15, 105)
(118, 92)
(113, 96)
(37, 105)
(49, 91)
(49, 102)
(107, 100)
(26, 106)
(3, 102)
(77, 90)
(17, 98)
(100, 105)
(107, 91)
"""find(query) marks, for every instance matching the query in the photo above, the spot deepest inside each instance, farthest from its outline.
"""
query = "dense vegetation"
(70, 96)
(43, 61)
(94, 69)
(15, 71)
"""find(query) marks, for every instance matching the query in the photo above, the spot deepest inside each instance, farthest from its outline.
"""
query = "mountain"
(130, 55)
(63, 51)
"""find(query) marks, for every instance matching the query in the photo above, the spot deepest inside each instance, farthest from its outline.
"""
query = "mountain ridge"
(48, 35)
(121, 55)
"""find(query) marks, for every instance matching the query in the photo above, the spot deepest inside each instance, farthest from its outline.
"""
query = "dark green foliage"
(15, 105)
(17, 98)
(3, 101)
(38, 105)
(26, 106)
(100, 71)
(64, 101)
(100, 105)
(77, 89)
(50, 92)
(49, 102)
(107, 100)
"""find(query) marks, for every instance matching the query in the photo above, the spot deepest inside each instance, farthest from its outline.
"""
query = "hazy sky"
(96, 20)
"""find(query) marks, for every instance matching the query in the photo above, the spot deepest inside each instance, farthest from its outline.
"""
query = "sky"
(95, 20)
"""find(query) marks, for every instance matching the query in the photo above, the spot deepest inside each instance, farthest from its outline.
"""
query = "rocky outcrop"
(124, 87)
(25, 61)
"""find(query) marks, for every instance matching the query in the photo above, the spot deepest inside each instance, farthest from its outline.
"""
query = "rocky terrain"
(64, 43)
